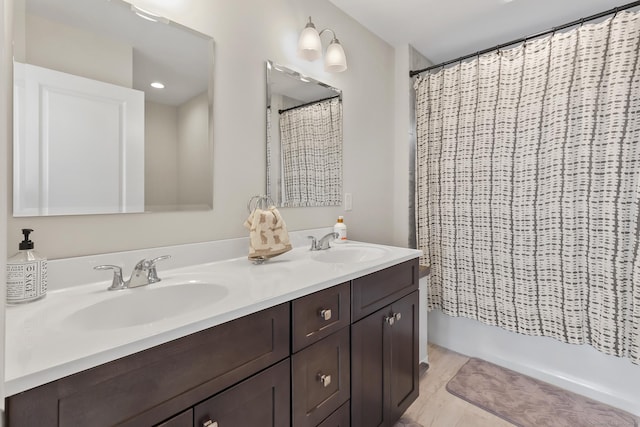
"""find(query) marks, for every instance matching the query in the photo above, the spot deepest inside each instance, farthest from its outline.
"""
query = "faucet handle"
(314, 243)
(117, 282)
(153, 273)
(160, 258)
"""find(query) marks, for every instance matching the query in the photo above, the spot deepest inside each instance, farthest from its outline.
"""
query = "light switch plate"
(348, 202)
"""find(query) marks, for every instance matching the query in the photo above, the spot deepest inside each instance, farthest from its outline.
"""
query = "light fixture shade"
(335, 61)
(309, 46)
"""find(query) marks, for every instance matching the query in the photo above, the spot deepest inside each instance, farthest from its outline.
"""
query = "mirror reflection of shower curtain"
(311, 142)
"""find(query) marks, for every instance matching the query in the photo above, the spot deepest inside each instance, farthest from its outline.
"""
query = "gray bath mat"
(406, 422)
(527, 402)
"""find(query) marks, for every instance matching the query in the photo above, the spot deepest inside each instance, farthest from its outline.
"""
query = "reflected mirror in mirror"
(304, 140)
(91, 133)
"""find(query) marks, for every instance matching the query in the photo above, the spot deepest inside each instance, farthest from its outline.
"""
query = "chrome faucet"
(144, 273)
(140, 274)
(323, 243)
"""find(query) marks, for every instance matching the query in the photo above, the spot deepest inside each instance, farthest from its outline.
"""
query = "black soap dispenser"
(26, 273)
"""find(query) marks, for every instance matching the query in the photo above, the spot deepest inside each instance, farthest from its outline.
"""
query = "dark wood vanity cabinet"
(344, 356)
(384, 352)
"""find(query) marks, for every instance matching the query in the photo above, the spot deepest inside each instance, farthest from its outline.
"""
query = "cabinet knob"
(210, 423)
(325, 314)
(390, 320)
(324, 379)
(397, 316)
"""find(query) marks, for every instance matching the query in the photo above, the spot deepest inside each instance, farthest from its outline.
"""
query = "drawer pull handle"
(324, 379)
(210, 423)
(325, 314)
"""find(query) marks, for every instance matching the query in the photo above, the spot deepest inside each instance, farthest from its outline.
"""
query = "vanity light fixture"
(310, 48)
(149, 16)
(157, 85)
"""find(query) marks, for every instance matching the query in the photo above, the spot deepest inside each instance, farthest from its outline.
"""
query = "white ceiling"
(175, 55)
(447, 29)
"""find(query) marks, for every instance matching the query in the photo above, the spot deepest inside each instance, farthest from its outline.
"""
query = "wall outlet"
(348, 202)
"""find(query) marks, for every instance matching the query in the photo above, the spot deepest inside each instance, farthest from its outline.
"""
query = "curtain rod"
(308, 103)
(533, 36)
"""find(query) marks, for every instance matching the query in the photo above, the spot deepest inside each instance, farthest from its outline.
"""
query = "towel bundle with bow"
(268, 236)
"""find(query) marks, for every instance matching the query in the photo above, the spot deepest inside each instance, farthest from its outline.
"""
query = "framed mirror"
(112, 110)
(304, 140)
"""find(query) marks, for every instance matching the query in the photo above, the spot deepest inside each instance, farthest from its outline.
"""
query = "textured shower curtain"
(528, 186)
(311, 141)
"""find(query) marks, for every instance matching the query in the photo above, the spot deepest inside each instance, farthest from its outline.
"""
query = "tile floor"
(436, 407)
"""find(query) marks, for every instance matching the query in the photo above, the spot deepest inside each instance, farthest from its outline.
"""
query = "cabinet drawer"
(320, 314)
(321, 379)
(376, 290)
(340, 418)
(184, 419)
(260, 401)
(151, 386)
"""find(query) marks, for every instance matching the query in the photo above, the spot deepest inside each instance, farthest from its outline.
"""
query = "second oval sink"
(146, 305)
(348, 254)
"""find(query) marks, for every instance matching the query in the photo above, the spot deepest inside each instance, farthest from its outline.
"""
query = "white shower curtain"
(528, 186)
(311, 141)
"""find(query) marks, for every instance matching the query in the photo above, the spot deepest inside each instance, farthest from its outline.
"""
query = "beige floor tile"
(436, 407)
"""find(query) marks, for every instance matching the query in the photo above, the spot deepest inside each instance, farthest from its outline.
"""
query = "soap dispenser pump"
(26, 273)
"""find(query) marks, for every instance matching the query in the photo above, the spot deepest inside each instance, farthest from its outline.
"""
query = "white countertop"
(44, 344)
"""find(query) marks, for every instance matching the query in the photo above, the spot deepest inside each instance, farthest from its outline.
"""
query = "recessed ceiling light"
(157, 85)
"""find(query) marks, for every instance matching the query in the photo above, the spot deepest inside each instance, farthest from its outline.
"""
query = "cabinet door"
(384, 351)
(404, 363)
(261, 401)
(367, 370)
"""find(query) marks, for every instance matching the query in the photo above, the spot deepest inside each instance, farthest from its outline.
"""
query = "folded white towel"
(268, 236)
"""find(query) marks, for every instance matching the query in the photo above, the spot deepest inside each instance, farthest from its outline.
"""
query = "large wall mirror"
(304, 140)
(112, 110)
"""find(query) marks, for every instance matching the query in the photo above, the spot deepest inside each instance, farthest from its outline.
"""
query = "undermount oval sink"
(348, 254)
(145, 305)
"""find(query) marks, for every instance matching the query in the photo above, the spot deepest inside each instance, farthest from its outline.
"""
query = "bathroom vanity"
(340, 350)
